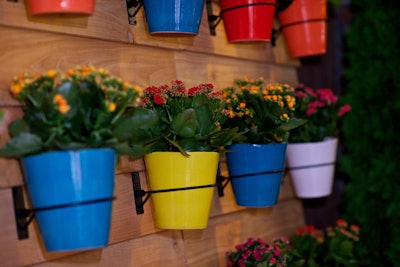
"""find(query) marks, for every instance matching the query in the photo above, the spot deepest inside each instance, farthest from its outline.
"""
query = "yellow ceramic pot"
(182, 209)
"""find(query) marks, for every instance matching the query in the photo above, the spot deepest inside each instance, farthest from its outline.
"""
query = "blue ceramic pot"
(256, 171)
(173, 16)
(71, 194)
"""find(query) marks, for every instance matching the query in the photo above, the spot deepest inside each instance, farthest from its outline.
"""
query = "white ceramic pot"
(312, 167)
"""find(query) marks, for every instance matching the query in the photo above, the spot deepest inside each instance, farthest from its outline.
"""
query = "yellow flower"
(242, 105)
(138, 89)
(112, 106)
(51, 73)
(126, 86)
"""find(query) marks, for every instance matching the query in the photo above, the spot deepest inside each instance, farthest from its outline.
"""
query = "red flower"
(158, 99)
(341, 223)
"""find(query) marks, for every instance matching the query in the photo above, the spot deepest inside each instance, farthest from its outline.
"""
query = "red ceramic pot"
(38, 7)
(248, 20)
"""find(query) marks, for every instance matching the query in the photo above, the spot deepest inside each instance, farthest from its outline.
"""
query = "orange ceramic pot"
(38, 7)
(304, 27)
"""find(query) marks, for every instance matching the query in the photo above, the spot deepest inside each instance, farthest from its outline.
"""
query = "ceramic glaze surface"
(71, 194)
(256, 172)
(38, 7)
(177, 16)
(248, 20)
(182, 209)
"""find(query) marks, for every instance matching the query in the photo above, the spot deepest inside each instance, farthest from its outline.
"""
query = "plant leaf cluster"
(322, 111)
(190, 119)
(264, 112)
(84, 108)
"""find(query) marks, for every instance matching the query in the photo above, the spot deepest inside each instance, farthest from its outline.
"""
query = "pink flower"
(343, 110)
(311, 111)
(327, 96)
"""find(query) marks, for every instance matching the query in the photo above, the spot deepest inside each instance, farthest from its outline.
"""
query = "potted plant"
(335, 246)
(255, 252)
(184, 154)
(312, 149)
(264, 112)
(248, 20)
(39, 7)
(74, 125)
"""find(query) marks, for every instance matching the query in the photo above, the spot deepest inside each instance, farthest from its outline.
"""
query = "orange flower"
(16, 88)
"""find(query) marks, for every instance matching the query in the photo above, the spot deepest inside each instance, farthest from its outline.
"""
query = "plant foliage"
(371, 130)
(190, 119)
(264, 112)
(322, 111)
(85, 107)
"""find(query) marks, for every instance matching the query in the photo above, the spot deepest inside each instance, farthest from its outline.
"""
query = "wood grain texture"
(139, 65)
(110, 22)
(208, 247)
(161, 249)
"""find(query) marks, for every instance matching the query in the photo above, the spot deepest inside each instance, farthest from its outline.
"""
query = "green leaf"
(185, 123)
(293, 123)
(136, 125)
(2, 115)
(21, 145)
(18, 126)
(132, 151)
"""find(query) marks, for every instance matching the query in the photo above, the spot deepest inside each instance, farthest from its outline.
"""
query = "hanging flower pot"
(37, 7)
(248, 20)
(256, 172)
(304, 27)
(312, 167)
(71, 194)
(176, 16)
(186, 185)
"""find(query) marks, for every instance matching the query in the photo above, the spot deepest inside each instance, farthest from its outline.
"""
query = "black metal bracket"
(213, 20)
(223, 181)
(23, 216)
(139, 193)
(133, 7)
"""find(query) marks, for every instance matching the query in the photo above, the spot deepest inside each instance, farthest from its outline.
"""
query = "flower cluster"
(85, 107)
(190, 119)
(255, 252)
(336, 246)
(263, 111)
(322, 111)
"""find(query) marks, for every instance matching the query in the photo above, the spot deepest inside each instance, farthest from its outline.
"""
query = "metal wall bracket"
(139, 193)
(213, 20)
(23, 216)
(223, 181)
(133, 7)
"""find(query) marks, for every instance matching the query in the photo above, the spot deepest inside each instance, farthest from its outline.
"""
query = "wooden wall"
(105, 39)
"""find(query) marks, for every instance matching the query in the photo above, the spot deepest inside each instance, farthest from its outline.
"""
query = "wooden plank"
(161, 249)
(110, 22)
(10, 171)
(223, 71)
(139, 65)
(208, 247)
